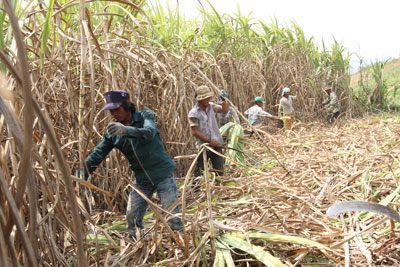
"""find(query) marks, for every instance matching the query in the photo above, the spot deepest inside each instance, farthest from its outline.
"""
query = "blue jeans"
(168, 194)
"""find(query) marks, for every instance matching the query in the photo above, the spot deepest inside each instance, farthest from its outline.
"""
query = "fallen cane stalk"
(184, 193)
(91, 186)
(355, 234)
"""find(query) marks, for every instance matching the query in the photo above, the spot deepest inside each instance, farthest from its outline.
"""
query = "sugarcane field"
(134, 136)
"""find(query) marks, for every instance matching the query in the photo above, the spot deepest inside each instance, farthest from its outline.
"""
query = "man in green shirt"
(136, 135)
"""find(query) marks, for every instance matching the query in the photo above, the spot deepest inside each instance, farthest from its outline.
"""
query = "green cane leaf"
(46, 32)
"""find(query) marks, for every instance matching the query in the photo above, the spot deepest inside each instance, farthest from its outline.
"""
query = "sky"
(368, 28)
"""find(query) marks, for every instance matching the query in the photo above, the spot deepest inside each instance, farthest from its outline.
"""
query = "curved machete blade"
(356, 205)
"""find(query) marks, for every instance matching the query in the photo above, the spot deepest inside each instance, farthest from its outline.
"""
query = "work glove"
(223, 95)
(117, 128)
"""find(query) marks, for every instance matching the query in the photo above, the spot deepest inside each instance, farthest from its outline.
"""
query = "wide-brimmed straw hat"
(203, 92)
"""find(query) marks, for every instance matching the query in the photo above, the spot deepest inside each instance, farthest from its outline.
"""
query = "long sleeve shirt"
(332, 102)
(286, 105)
(255, 113)
(142, 147)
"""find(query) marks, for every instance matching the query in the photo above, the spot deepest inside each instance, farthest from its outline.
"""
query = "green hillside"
(392, 71)
(369, 86)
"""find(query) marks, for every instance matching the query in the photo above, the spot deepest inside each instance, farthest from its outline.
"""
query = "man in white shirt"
(286, 109)
(256, 112)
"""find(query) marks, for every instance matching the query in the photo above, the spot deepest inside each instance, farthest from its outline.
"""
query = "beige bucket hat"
(203, 92)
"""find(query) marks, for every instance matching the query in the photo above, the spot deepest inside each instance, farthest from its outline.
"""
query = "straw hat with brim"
(114, 99)
(203, 92)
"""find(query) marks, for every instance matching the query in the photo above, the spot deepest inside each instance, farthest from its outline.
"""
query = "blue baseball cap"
(114, 99)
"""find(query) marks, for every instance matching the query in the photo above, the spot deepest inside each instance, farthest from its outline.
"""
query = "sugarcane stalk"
(82, 89)
(209, 199)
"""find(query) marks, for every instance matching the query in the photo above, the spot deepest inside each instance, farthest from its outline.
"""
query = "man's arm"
(294, 92)
(224, 107)
(97, 156)
(194, 128)
(281, 104)
(266, 114)
(196, 133)
(234, 114)
(149, 129)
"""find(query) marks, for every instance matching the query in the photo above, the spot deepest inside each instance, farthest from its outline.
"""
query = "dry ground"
(355, 159)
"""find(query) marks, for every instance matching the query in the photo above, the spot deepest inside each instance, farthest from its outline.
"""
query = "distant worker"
(136, 135)
(256, 112)
(204, 127)
(286, 109)
(332, 104)
(225, 117)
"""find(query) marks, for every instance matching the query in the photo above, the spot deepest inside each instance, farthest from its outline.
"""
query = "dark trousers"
(331, 117)
(216, 161)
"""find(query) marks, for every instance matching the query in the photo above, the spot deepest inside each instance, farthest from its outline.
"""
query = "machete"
(356, 205)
